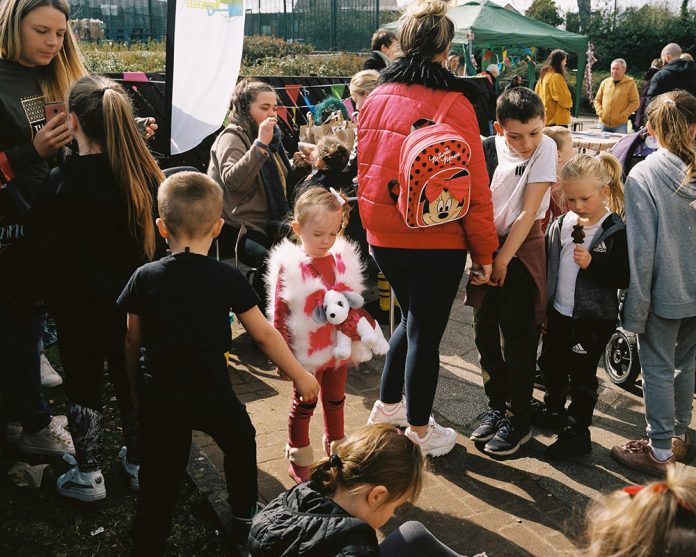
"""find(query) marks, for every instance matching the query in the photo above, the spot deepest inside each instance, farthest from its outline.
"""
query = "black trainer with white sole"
(488, 426)
(509, 438)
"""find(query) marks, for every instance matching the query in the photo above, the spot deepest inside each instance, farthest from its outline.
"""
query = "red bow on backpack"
(458, 187)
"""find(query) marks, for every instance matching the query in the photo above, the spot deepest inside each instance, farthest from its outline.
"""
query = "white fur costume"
(301, 292)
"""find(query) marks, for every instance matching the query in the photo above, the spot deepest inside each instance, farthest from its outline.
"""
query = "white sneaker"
(132, 470)
(54, 439)
(394, 414)
(13, 430)
(49, 376)
(438, 440)
(83, 486)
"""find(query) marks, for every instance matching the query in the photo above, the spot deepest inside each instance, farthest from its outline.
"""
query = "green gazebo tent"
(495, 26)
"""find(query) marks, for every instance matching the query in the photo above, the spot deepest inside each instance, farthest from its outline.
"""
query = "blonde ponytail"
(671, 116)
(614, 171)
(425, 30)
(605, 169)
(106, 116)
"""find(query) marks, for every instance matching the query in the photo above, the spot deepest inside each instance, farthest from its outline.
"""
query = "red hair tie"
(658, 487)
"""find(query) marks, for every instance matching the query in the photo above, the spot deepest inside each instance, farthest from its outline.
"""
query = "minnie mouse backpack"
(434, 181)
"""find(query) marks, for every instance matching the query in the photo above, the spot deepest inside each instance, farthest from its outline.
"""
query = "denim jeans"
(20, 369)
(667, 351)
(425, 282)
(616, 129)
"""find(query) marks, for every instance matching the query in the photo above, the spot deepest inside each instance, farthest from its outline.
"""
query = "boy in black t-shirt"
(178, 313)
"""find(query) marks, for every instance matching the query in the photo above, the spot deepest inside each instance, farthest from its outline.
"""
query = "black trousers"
(507, 339)
(167, 418)
(570, 353)
(86, 338)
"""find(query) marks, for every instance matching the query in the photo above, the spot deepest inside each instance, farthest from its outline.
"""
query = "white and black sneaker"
(83, 486)
(132, 470)
(508, 439)
(488, 426)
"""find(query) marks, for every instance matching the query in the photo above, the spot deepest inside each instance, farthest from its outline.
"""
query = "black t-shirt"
(184, 302)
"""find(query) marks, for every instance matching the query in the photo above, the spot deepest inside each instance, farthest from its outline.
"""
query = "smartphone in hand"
(52, 110)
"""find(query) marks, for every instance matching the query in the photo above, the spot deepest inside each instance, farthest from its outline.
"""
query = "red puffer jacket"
(385, 121)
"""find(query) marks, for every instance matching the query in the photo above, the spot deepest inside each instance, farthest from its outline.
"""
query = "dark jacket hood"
(303, 522)
(680, 66)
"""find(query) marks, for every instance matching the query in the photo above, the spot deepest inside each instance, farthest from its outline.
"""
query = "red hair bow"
(657, 488)
(458, 187)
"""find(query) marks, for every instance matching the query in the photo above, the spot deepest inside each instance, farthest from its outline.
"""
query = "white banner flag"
(208, 37)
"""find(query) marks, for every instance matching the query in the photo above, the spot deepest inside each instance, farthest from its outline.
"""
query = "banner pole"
(169, 73)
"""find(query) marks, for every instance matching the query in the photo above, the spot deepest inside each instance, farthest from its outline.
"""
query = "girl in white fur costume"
(299, 275)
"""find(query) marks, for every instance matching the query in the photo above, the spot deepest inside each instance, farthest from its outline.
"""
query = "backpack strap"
(444, 107)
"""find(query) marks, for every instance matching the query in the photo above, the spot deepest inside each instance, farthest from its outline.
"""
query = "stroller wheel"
(621, 358)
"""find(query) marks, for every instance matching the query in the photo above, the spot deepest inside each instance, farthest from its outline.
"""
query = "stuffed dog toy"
(357, 333)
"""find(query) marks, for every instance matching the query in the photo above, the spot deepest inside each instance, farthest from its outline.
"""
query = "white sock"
(661, 454)
(682, 437)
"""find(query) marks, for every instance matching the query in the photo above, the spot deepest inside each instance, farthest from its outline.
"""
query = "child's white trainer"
(132, 470)
(83, 486)
(438, 440)
(394, 414)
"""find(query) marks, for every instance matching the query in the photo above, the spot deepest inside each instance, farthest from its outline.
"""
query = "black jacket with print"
(596, 287)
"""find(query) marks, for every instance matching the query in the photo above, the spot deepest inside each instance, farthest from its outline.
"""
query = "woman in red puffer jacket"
(423, 265)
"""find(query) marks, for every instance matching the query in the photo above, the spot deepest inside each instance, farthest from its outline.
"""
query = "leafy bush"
(315, 64)
(258, 47)
(109, 57)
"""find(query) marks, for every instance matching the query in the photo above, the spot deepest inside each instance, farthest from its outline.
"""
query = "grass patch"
(41, 522)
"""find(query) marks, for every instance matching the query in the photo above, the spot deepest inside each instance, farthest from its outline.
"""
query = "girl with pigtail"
(587, 263)
(661, 299)
(299, 276)
(645, 520)
(375, 473)
(94, 222)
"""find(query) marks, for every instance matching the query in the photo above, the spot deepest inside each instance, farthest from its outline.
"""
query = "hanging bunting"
(308, 104)
(337, 90)
(282, 112)
(294, 117)
(293, 92)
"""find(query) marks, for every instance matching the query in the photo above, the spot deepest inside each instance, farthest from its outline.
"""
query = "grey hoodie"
(661, 228)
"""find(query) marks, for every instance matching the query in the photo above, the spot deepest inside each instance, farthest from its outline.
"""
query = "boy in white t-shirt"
(522, 164)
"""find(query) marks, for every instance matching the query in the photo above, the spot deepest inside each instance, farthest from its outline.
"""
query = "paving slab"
(518, 506)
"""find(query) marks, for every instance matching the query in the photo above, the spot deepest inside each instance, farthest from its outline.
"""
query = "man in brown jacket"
(617, 98)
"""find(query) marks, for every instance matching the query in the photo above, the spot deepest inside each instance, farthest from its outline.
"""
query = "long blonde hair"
(106, 116)
(657, 519)
(605, 169)
(65, 68)
(671, 116)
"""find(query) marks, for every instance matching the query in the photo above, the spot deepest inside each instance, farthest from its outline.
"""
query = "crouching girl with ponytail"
(376, 473)
(94, 222)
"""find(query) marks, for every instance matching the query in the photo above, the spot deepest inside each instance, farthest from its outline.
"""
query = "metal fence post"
(333, 24)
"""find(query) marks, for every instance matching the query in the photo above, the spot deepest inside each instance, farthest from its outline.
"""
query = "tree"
(584, 12)
(545, 11)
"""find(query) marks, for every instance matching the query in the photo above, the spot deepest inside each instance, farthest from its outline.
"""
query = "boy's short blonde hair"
(559, 134)
(190, 204)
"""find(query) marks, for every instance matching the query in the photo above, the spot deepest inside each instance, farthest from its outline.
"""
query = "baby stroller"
(621, 353)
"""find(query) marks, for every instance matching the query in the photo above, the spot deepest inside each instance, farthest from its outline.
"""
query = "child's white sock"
(661, 454)
(682, 437)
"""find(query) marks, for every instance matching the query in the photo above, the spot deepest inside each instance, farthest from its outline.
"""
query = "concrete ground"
(519, 506)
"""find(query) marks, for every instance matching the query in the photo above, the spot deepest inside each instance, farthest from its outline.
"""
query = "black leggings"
(412, 539)
(86, 338)
(425, 282)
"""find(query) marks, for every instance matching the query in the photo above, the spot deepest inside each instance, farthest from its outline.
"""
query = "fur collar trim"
(416, 70)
